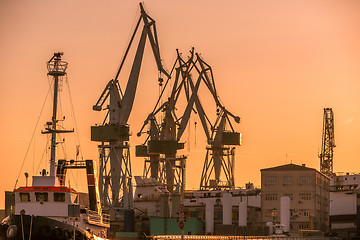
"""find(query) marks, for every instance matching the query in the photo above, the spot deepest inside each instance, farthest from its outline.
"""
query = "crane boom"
(129, 95)
(115, 165)
(153, 42)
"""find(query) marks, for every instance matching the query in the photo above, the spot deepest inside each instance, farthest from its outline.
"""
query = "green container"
(127, 235)
(108, 133)
(230, 138)
(170, 226)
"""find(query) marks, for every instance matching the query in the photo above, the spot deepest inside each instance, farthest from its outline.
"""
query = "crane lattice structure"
(162, 164)
(115, 176)
(328, 143)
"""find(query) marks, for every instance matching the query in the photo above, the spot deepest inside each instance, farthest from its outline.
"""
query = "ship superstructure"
(48, 209)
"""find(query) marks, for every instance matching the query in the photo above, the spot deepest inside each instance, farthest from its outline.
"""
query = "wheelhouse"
(45, 201)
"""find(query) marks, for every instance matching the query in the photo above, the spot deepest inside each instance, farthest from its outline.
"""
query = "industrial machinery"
(115, 167)
(160, 147)
(163, 141)
(88, 165)
(328, 143)
(220, 157)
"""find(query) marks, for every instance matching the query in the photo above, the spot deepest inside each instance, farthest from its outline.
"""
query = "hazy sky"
(276, 64)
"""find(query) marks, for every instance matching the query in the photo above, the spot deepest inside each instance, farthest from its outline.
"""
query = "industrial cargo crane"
(115, 166)
(163, 141)
(328, 143)
(219, 158)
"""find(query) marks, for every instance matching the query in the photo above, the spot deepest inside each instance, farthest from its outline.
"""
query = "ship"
(48, 209)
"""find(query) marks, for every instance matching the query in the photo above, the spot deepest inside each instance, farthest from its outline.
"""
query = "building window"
(59, 197)
(303, 226)
(288, 180)
(218, 215)
(293, 213)
(289, 195)
(41, 196)
(270, 180)
(304, 212)
(271, 197)
(271, 213)
(24, 197)
(305, 180)
(305, 196)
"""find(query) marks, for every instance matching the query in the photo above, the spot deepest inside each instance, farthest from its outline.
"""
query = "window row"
(42, 197)
(287, 180)
(271, 212)
(274, 196)
(293, 212)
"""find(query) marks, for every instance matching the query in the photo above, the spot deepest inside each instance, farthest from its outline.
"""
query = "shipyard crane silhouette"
(163, 139)
(327, 143)
(220, 158)
(115, 166)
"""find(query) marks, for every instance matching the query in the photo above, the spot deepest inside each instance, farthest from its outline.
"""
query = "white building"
(344, 195)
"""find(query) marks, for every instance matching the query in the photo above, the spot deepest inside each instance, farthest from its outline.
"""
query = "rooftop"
(289, 167)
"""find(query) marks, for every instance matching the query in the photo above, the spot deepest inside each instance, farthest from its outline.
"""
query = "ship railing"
(106, 218)
(57, 66)
(221, 237)
(95, 217)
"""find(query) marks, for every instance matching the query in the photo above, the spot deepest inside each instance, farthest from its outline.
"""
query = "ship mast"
(56, 69)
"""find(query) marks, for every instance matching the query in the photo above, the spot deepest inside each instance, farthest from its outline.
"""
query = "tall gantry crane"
(115, 176)
(160, 147)
(163, 165)
(220, 156)
(328, 143)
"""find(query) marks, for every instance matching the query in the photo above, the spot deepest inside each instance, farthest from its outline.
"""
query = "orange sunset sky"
(276, 64)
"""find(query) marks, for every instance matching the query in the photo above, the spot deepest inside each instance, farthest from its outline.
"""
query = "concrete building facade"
(345, 205)
(308, 190)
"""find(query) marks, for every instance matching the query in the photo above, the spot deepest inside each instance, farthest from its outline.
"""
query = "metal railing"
(93, 216)
(213, 237)
(57, 66)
